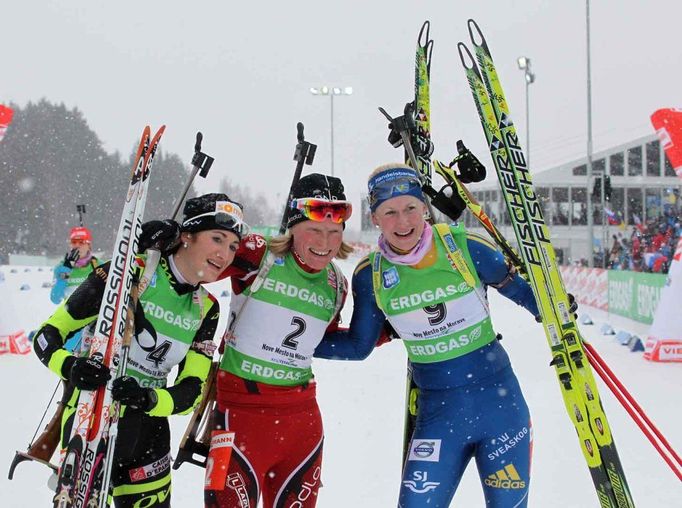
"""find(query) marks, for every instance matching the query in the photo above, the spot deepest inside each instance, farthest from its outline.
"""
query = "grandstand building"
(643, 185)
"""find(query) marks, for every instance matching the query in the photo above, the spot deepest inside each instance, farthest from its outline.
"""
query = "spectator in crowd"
(651, 245)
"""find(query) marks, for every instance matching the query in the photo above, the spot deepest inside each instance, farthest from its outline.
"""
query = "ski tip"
(159, 133)
(423, 38)
(473, 26)
(465, 56)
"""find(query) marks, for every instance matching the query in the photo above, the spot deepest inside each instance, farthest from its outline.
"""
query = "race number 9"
(436, 313)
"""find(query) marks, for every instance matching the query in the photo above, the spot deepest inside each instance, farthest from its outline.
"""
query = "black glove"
(159, 234)
(470, 168)
(394, 137)
(448, 202)
(126, 390)
(85, 373)
(573, 305)
(421, 144)
(71, 257)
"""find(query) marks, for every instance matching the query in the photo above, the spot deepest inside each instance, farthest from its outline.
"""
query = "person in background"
(78, 263)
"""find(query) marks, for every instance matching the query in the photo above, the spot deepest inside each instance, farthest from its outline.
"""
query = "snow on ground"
(362, 408)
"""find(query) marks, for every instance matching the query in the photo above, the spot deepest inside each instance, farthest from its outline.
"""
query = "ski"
(84, 473)
(420, 110)
(573, 370)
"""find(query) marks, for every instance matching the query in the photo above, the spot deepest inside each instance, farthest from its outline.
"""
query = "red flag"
(6, 114)
(668, 125)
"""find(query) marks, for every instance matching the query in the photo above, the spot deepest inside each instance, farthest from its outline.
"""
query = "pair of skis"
(569, 358)
(537, 259)
(84, 475)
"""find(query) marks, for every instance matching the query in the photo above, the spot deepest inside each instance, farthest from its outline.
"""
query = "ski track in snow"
(362, 409)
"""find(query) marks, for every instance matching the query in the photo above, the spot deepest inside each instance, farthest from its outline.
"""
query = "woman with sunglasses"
(172, 328)
(286, 294)
(429, 282)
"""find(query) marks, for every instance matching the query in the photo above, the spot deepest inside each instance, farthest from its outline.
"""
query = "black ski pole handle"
(201, 163)
(304, 154)
(197, 144)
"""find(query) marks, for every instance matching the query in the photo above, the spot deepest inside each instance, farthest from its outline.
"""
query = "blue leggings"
(489, 421)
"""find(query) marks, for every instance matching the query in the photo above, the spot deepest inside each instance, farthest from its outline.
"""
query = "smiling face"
(316, 243)
(401, 220)
(208, 253)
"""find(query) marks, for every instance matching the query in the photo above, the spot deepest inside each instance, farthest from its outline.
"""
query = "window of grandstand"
(617, 164)
(635, 161)
(653, 158)
(671, 197)
(617, 203)
(599, 166)
(653, 203)
(560, 206)
(579, 203)
(580, 170)
(668, 168)
(634, 200)
(597, 212)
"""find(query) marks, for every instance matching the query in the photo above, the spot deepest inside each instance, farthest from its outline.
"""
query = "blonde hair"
(280, 245)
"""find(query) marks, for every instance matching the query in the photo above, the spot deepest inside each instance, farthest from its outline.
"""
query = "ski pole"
(81, 211)
(633, 409)
(402, 125)
(201, 163)
(597, 358)
(304, 154)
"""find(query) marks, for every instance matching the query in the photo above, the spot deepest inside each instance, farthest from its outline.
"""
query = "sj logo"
(419, 483)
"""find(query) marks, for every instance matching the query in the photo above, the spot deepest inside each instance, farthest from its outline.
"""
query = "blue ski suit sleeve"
(358, 341)
(61, 274)
(492, 269)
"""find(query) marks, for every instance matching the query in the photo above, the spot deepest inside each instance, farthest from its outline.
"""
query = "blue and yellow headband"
(398, 180)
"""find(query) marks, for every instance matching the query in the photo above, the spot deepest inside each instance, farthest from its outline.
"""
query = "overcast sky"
(241, 72)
